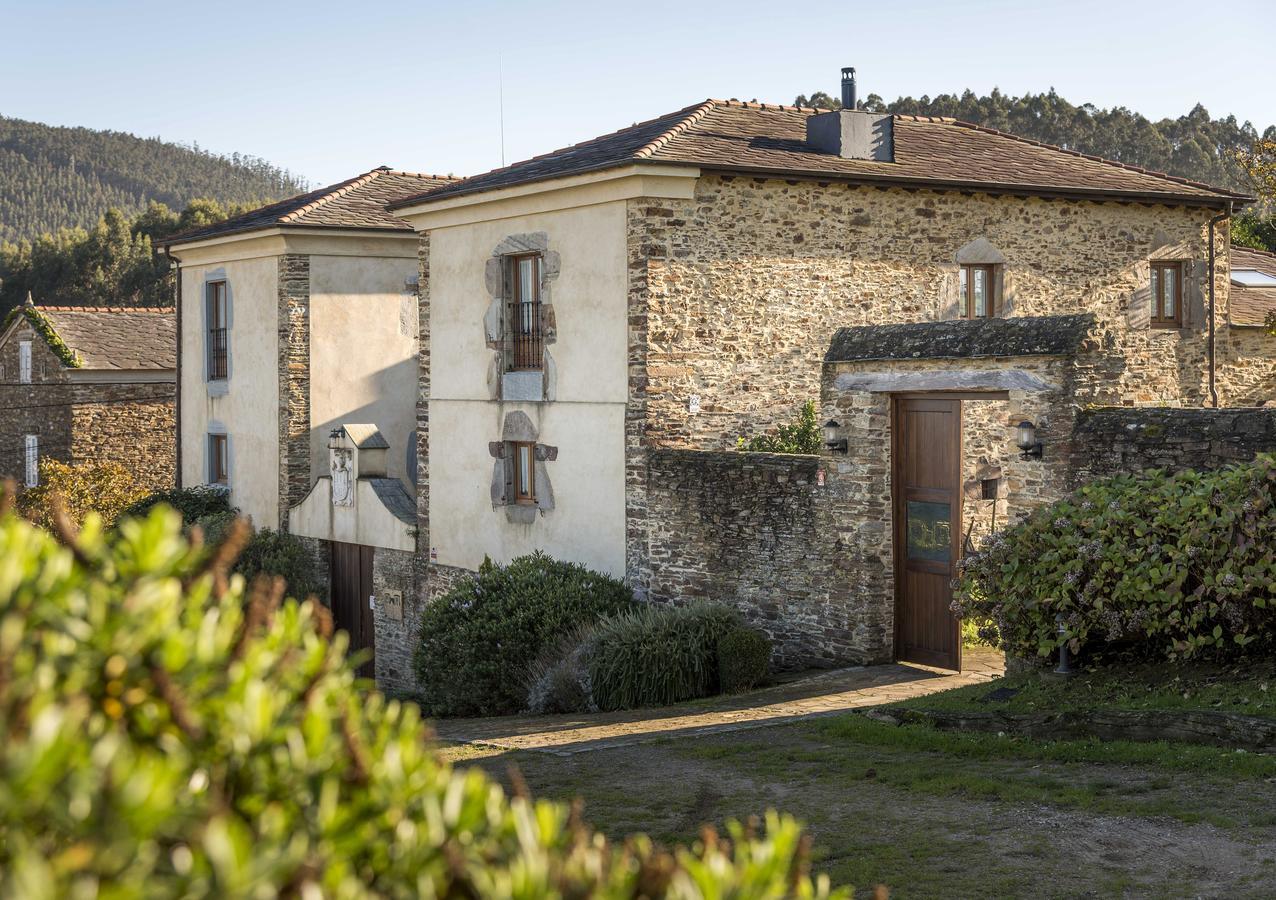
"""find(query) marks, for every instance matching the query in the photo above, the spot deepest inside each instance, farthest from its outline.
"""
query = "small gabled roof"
(962, 339)
(763, 138)
(358, 202)
(114, 338)
(1249, 307)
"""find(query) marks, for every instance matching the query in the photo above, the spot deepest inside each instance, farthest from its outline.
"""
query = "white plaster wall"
(250, 408)
(363, 353)
(586, 421)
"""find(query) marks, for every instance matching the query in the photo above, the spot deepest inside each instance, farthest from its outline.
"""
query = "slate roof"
(730, 135)
(962, 339)
(1248, 307)
(366, 437)
(117, 338)
(358, 202)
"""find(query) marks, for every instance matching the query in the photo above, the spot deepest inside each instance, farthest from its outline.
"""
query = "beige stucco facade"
(585, 421)
(349, 357)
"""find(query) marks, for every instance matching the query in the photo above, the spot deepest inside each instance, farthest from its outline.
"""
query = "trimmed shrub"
(192, 504)
(167, 736)
(744, 659)
(558, 681)
(106, 488)
(656, 655)
(1169, 565)
(479, 638)
(278, 553)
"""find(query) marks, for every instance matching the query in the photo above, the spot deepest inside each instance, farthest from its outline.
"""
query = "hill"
(53, 177)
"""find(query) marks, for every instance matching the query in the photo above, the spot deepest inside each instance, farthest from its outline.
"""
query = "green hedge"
(1177, 565)
(166, 736)
(192, 503)
(658, 654)
(744, 659)
(478, 639)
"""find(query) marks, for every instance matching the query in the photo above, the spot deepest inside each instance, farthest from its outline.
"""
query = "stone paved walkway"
(816, 695)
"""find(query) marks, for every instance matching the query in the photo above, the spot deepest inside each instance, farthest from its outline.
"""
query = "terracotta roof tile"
(731, 135)
(358, 202)
(117, 338)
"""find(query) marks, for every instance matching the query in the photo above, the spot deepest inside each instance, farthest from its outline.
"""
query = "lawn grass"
(1247, 687)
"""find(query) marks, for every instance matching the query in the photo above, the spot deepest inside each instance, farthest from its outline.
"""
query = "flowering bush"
(1178, 564)
(167, 734)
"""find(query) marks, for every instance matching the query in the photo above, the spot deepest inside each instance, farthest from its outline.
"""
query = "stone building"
(88, 384)
(601, 323)
(297, 391)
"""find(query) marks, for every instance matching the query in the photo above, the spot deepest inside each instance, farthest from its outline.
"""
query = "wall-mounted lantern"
(1026, 439)
(834, 440)
(334, 439)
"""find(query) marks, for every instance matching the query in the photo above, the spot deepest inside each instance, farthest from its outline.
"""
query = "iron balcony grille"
(217, 345)
(526, 341)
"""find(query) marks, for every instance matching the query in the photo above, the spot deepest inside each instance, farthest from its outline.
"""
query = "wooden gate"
(927, 516)
(352, 598)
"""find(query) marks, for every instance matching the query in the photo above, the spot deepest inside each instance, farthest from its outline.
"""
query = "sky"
(329, 90)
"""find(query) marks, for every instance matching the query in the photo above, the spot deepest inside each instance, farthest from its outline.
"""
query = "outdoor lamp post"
(1026, 439)
(833, 438)
(1065, 664)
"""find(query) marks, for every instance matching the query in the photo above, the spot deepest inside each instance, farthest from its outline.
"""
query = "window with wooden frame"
(218, 459)
(524, 473)
(218, 334)
(977, 289)
(1167, 295)
(526, 342)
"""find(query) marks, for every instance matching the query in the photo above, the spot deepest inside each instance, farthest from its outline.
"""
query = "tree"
(105, 488)
(168, 735)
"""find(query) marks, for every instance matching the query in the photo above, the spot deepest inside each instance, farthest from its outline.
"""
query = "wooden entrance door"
(352, 598)
(927, 517)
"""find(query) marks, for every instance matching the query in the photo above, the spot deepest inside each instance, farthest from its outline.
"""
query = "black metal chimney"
(848, 88)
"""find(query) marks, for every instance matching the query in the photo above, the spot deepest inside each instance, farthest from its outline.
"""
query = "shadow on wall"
(387, 384)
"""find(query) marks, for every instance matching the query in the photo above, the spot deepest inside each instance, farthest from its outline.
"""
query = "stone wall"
(396, 638)
(294, 382)
(747, 282)
(761, 532)
(1114, 441)
(129, 423)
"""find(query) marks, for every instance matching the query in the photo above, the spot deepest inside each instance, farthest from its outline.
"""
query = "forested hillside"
(52, 178)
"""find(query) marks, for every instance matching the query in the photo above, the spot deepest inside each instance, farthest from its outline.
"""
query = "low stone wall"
(756, 531)
(1111, 441)
(396, 634)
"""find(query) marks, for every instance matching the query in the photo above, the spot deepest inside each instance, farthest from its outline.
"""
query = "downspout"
(1213, 335)
(175, 267)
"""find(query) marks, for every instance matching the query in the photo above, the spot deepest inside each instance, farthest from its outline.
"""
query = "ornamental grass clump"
(1174, 565)
(169, 734)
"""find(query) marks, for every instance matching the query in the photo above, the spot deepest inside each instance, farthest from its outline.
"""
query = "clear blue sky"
(332, 89)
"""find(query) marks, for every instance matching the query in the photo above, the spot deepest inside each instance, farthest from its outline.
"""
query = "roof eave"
(873, 180)
(279, 229)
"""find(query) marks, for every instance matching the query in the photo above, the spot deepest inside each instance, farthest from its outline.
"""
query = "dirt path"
(880, 815)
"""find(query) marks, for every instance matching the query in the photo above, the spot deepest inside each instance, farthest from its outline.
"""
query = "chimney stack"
(848, 87)
(852, 133)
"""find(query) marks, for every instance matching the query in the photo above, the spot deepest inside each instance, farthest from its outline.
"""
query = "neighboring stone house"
(1250, 316)
(600, 324)
(88, 384)
(298, 331)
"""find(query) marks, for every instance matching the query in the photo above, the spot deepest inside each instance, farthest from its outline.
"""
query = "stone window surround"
(217, 429)
(527, 385)
(518, 429)
(221, 386)
(979, 252)
(1179, 268)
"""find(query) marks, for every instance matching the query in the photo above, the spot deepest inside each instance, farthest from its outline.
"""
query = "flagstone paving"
(822, 694)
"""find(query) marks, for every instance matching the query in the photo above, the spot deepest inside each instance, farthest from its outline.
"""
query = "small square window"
(524, 473)
(1167, 295)
(218, 460)
(977, 292)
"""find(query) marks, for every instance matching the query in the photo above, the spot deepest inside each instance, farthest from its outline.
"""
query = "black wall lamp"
(1026, 439)
(833, 438)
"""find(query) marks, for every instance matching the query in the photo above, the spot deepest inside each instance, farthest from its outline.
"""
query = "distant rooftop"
(358, 202)
(117, 338)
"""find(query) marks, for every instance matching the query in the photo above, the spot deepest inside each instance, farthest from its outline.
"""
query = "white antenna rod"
(500, 68)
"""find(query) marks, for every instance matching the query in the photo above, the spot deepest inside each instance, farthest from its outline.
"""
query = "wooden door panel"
(927, 517)
(350, 582)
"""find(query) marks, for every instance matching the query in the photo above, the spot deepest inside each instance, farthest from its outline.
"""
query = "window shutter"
(31, 448)
(24, 362)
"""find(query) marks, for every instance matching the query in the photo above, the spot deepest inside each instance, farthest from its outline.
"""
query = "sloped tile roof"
(1248, 307)
(117, 338)
(731, 135)
(358, 202)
